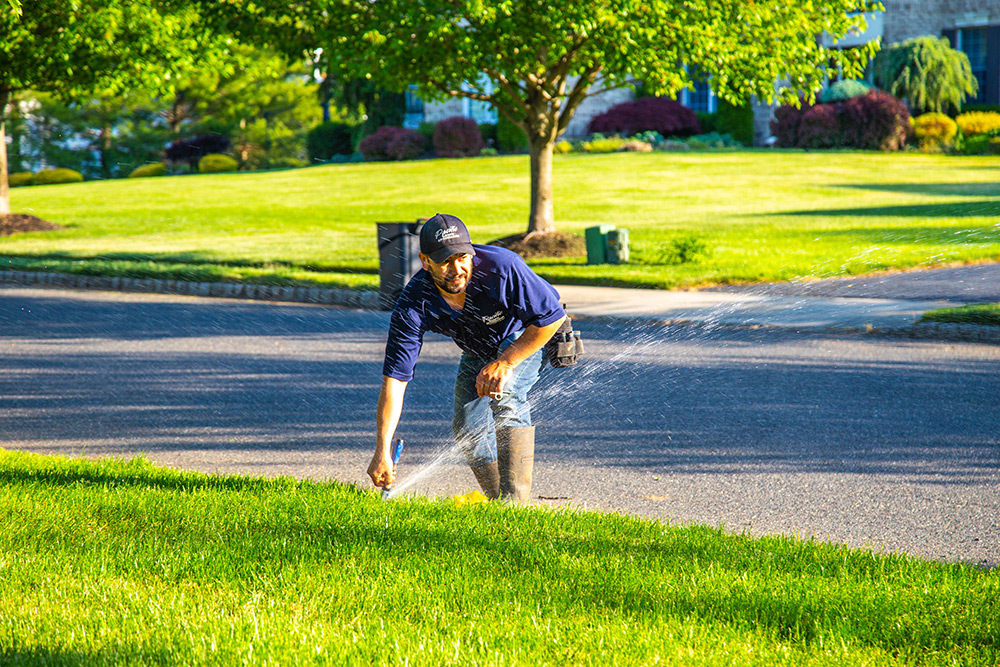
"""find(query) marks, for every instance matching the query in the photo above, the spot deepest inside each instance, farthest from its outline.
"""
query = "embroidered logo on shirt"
(490, 320)
(446, 233)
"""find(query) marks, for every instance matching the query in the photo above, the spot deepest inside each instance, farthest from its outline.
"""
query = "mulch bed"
(13, 223)
(544, 244)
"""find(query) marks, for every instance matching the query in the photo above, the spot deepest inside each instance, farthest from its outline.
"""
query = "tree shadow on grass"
(936, 189)
(979, 209)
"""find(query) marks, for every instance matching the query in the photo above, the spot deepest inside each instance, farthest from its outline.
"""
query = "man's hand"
(381, 469)
(493, 377)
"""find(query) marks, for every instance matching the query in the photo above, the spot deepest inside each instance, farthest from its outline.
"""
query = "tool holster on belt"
(565, 345)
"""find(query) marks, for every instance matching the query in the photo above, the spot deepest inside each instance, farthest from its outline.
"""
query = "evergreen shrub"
(329, 139)
(845, 89)
(510, 138)
(457, 136)
(734, 120)
(215, 163)
(934, 131)
(659, 114)
(20, 178)
(60, 175)
(192, 150)
(489, 133)
(392, 143)
(148, 170)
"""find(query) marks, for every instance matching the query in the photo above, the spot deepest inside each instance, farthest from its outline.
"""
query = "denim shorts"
(476, 418)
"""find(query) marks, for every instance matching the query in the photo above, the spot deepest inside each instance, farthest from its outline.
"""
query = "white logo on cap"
(446, 233)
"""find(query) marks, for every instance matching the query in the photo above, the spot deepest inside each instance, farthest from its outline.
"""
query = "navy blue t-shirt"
(503, 296)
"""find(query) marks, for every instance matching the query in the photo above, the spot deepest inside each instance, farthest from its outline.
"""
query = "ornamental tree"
(927, 73)
(74, 48)
(535, 61)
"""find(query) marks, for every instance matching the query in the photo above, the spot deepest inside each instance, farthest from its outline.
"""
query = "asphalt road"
(877, 442)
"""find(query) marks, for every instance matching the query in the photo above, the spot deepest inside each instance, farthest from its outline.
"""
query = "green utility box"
(597, 243)
(606, 245)
(617, 246)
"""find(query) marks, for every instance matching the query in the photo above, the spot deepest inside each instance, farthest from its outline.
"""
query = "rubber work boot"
(516, 458)
(488, 477)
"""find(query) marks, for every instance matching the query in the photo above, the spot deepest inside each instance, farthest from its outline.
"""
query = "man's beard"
(450, 289)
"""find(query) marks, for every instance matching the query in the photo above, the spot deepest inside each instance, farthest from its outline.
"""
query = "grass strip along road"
(694, 218)
(115, 562)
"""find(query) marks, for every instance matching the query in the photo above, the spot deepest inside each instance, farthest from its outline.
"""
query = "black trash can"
(398, 245)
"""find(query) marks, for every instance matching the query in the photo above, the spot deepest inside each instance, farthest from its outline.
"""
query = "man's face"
(452, 275)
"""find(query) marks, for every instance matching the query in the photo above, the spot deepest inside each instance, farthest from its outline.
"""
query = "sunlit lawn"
(761, 215)
(105, 563)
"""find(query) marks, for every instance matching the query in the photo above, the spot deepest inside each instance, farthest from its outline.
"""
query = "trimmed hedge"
(53, 176)
(457, 136)
(216, 163)
(658, 114)
(978, 122)
(148, 170)
(392, 143)
(20, 179)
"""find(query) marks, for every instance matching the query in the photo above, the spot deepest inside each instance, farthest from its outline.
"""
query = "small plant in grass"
(60, 175)
(934, 131)
(216, 163)
(685, 249)
(601, 144)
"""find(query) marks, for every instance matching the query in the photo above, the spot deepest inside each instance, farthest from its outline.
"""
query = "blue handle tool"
(397, 450)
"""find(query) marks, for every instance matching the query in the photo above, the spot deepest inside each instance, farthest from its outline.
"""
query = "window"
(972, 42)
(414, 114)
(479, 111)
(701, 99)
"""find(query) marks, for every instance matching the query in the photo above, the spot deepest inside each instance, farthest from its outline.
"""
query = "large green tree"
(74, 48)
(543, 58)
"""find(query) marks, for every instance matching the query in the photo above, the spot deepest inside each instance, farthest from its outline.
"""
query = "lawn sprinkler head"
(397, 450)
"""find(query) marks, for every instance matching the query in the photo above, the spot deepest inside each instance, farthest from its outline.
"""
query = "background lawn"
(107, 562)
(761, 215)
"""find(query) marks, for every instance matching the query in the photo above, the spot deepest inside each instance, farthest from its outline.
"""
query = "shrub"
(392, 143)
(426, 128)
(840, 91)
(510, 138)
(712, 140)
(689, 248)
(489, 152)
(819, 127)
(563, 147)
(978, 122)
(636, 146)
(706, 121)
(489, 133)
(147, 170)
(876, 121)
(216, 163)
(53, 176)
(457, 137)
(602, 144)
(934, 130)
(672, 145)
(659, 114)
(785, 126)
(982, 144)
(20, 178)
(329, 139)
(736, 121)
(192, 150)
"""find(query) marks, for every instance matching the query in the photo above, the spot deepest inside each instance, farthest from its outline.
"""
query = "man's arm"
(390, 406)
(495, 374)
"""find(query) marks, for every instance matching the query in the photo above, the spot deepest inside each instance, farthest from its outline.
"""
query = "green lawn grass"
(762, 215)
(987, 314)
(114, 562)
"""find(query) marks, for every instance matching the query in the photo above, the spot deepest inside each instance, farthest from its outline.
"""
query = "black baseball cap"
(443, 236)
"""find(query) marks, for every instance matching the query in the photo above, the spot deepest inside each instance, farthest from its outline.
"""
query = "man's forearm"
(529, 342)
(390, 406)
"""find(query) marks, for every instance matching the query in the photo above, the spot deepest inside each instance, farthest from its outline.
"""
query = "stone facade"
(905, 19)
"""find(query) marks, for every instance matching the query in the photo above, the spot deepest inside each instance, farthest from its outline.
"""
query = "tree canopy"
(536, 61)
(71, 49)
(926, 73)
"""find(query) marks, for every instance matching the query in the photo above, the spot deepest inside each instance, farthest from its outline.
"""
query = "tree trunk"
(4, 192)
(542, 218)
